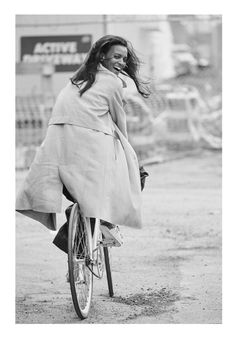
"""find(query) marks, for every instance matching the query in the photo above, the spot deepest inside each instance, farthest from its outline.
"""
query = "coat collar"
(104, 69)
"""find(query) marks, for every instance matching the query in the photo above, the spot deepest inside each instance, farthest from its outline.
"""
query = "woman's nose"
(122, 62)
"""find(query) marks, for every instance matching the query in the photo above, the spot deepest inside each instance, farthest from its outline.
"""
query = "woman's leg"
(107, 224)
(61, 239)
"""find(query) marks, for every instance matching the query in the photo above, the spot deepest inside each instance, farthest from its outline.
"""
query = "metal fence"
(184, 112)
(177, 117)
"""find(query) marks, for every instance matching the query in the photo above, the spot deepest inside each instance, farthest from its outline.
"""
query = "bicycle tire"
(79, 256)
(108, 271)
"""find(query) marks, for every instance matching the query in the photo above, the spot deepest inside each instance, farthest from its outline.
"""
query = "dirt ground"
(168, 272)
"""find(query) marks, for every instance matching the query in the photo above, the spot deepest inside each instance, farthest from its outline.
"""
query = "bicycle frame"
(105, 260)
(100, 254)
(97, 259)
(95, 235)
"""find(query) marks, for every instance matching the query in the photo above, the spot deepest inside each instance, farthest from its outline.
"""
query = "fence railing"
(174, 118)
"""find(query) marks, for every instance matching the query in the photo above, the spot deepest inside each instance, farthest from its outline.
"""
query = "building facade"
(64, 40)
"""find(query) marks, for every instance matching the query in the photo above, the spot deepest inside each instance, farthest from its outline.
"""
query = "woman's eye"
(119, 57)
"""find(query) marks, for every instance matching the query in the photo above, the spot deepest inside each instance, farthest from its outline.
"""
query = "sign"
(65, 52)
(27, 68)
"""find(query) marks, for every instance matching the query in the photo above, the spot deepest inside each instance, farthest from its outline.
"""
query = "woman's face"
(115, 59)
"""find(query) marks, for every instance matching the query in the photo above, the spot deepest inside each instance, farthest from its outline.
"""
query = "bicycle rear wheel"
(79, 261)
(108, 271)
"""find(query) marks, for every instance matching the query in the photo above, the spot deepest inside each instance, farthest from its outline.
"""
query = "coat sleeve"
(116, 106)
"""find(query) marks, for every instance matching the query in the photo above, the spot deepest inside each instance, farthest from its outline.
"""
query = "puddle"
(197, 248)
(151, 302)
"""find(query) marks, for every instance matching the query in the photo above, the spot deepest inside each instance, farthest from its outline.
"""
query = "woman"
(86, 154)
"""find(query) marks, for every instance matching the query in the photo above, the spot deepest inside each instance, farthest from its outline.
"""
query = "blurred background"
(181, 58)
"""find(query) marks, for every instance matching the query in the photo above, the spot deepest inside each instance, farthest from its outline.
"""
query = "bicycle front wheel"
(79, 261)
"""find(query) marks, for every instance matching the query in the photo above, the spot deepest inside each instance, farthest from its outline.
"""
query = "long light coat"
(87, 150)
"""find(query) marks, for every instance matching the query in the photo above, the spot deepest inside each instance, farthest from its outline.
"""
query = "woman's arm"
(116, 105)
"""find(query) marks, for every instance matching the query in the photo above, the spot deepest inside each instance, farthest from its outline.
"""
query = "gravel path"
(167, 272)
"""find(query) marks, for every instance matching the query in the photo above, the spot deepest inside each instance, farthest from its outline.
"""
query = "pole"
(104, 24)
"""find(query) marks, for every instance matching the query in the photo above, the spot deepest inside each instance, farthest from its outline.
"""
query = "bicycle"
(87, 252)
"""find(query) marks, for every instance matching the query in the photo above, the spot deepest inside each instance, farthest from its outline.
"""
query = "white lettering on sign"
(55, 47)
(55, 59)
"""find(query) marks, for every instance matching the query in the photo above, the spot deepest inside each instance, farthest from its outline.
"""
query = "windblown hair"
(87, 72)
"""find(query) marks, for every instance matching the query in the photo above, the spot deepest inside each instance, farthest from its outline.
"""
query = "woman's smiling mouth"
(118, 69)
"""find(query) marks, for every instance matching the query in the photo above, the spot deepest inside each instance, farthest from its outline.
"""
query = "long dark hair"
(87, 72)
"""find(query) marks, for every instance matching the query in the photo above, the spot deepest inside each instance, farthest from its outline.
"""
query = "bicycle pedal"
(108, 243)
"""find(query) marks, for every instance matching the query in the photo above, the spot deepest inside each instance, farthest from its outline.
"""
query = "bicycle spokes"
(79, 260)
(85, 260)
(81, 246)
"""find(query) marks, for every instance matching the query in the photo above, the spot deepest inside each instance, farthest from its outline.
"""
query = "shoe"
(112, 234)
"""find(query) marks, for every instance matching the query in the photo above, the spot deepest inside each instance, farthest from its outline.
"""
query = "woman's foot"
(112, 233)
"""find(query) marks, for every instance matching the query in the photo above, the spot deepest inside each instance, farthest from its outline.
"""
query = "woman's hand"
(143, 175)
